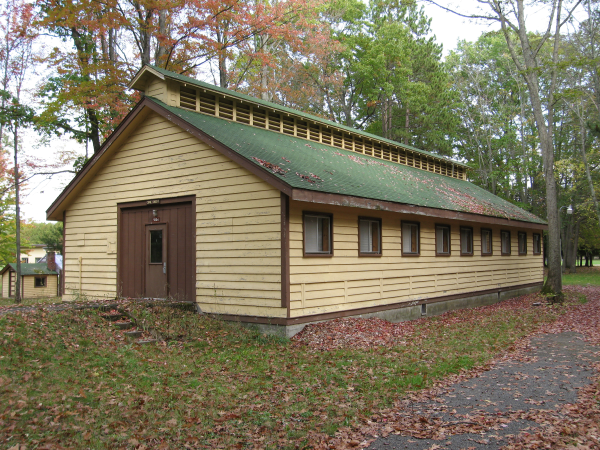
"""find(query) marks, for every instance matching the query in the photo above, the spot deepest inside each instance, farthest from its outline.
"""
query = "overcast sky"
(447, 27)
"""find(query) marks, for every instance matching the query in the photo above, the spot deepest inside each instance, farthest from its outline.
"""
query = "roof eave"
(54, 209)
(305, 195)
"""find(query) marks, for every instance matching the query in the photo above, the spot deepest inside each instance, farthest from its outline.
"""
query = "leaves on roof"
(327, 169)
(272, 167)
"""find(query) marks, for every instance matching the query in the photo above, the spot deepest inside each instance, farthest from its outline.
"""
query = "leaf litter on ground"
(68, 379)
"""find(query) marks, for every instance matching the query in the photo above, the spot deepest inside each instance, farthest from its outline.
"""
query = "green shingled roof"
(32, 269)
(318, 167)
(295, 112)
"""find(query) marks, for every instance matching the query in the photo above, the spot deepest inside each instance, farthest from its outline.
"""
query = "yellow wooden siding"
(157, 88)
(5, 283)
(238, 255)
(30, 291)
(346, 281)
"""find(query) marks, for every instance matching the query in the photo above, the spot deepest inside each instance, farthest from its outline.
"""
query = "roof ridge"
(285, 109)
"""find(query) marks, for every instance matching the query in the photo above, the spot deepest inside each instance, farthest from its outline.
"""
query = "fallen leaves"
(215, 385)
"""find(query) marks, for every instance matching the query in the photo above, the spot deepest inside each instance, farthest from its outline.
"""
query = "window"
(40, 282)
(505, 242)
(369, 236)
(486, 242)
(466, 241)
(537, 244)
(25, 260)
(410, 238)
(317, 234)
(522, 243)
(442, 240)
(37, 260)
(156, 246)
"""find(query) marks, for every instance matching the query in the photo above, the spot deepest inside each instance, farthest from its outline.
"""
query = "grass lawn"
(583, 277)
(29, 301)
(69, 379)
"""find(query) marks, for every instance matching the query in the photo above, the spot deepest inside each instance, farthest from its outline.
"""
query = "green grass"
(583, 277)
(29, 301)
(68, 379)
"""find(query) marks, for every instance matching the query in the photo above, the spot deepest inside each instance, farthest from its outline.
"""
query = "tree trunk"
(161, 45)
(529, 68)
(386, 117)
(406, 125)
(94, 132)
(587, 167)
(574, 243)
(17, 220)
(83, 53)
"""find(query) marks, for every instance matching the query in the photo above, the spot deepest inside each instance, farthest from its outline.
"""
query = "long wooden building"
(267, 215)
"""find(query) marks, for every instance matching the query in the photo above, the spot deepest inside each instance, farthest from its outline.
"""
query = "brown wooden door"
(137, 276)
(157, 283)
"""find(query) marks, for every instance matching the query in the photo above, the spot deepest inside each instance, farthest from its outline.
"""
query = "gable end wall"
(238, 220)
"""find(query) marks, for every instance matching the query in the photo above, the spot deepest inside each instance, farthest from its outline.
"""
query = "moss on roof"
(318, 167)
(295, 112)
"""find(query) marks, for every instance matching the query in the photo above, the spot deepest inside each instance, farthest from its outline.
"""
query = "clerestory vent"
(257, 116)
(187, 98)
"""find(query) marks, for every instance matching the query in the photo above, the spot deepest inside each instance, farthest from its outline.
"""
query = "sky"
(447, 27)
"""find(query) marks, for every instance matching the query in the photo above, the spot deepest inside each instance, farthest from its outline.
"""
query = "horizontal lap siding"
(5, 283)
(238, 220)
(48, 291)
(346, 281)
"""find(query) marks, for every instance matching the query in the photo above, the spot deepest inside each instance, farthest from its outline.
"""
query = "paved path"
(557, 366)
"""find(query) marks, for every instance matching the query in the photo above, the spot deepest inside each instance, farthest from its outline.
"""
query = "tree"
(525, 50)
(7, 211)
(388, 77)
(49, 234)
(497, 135)
(18, 37)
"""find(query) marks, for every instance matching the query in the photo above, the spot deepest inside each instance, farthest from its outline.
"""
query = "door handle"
(164, 267)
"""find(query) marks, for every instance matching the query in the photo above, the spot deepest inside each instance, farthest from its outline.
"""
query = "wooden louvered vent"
(187, 98)
(257, 116)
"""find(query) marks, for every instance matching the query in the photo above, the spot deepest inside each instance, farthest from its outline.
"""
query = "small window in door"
(156, 246)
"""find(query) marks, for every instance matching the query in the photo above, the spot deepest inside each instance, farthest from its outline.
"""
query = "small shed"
(37, 280)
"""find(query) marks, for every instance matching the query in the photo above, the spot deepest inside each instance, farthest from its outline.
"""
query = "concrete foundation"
(426, 308)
